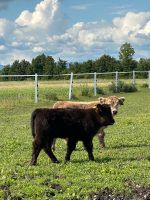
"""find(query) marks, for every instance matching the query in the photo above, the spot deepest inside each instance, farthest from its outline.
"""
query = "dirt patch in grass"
(137, 192)
(7, 193)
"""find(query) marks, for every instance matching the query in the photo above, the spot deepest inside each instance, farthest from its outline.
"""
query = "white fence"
(95, 74)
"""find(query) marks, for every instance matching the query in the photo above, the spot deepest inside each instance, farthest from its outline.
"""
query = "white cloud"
(46, 17)
(45, 30)
(85, 6)
(30, 31)
(38, 49)
(6, 27)
(83, 38)
(131, 27)
(146, 29)
(2, 47)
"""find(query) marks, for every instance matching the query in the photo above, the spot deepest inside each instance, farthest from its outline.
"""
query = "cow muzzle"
(112, 122)
(114, 112)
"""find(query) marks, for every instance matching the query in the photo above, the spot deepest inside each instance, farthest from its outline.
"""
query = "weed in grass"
(122, 87)
(51, 97)
(100, 91)
(129, 88)
(85, 91)
(74, 97)
(144, 85)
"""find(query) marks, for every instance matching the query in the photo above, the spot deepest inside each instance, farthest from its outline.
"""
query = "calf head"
(105, 114)
(113, 101)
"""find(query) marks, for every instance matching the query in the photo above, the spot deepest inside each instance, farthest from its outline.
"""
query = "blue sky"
(72, 30)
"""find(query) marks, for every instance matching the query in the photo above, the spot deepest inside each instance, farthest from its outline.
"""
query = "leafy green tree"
(5, 71)
(49, 66)
(143, 65)
(25, 67)
(126, 57)
(38, 64)
(15, 67)
(88, 66)
(20, 68)
(106, 63)
(61, 66)
(14, 70)
(75, 67)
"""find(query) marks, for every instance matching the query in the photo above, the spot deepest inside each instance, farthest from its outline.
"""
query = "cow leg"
(101, 136)
(89, 148)
(71, 145)
(48, 151)
(35, 152)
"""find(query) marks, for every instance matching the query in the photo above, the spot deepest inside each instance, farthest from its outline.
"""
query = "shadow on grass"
(97, 160)
(104, 160)
(109, 159)
(128, 146)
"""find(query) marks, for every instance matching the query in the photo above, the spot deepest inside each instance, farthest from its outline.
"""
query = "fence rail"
(72, 75)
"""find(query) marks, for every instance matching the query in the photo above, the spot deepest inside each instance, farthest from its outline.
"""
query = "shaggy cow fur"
(74, 124)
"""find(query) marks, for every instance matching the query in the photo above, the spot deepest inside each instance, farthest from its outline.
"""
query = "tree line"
(46, 65)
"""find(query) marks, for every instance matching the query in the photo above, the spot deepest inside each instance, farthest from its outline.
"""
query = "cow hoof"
(32, 164)
(28, 162)
(91, 158)
(102, 146)
(56, 161)
(66, 160)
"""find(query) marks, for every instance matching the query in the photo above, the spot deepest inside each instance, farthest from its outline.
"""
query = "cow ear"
(98, 108)
(101, 99)
(121, 100)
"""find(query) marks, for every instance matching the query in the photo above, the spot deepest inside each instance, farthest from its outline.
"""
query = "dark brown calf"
(74, 124)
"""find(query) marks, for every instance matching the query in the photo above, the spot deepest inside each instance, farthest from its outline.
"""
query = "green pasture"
(13, 93)
(125, 160)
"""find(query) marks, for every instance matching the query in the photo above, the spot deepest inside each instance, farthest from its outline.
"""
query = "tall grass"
(23, 92)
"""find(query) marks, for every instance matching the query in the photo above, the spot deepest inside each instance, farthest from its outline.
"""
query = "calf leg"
(101, 136)
(71, 145)
(48, 151)
(89, 148)
(35, 152)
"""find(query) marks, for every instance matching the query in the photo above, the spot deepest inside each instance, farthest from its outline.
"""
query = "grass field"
(125, 161)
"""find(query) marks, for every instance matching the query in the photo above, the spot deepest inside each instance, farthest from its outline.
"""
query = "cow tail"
(33, 124)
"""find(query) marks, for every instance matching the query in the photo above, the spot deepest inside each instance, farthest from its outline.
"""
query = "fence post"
(95, 84)
(149, 79)
(133, 77)
(36, 88)
(70, 87)
(116, 82)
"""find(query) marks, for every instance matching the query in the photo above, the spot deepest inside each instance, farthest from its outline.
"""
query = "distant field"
(125, 161)
(65, 83)
(23, 92)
